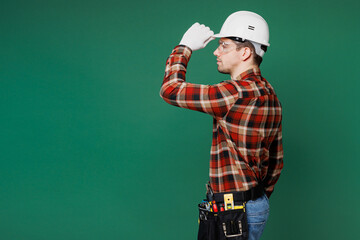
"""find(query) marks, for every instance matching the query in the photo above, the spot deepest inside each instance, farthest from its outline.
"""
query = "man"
(246, 152)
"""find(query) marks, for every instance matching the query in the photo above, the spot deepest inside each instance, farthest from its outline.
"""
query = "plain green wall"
(90, 151)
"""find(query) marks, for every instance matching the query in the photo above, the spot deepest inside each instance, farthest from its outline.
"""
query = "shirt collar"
(246, 74)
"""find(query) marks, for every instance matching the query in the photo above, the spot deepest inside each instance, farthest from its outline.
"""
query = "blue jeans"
(257, 214)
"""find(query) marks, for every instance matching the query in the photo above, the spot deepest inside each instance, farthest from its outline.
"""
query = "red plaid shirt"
(247, 142)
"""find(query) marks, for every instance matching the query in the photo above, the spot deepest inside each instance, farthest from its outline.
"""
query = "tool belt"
(222, 216)
(251, 194)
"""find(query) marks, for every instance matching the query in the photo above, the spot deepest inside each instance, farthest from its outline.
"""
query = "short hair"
(245, 43)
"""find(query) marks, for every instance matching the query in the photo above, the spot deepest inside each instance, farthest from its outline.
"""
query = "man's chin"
(224, 71)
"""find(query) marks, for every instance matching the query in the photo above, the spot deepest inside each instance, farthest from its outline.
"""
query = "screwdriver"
(214, 206)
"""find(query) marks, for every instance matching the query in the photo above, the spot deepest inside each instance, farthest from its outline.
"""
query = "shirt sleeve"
(215, 100)
(275, 163)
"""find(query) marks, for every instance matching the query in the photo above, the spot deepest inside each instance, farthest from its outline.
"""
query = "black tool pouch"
(207, 227)
(224, 225)
(232, 224)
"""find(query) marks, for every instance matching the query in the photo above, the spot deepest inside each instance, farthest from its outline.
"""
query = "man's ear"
(246, 53)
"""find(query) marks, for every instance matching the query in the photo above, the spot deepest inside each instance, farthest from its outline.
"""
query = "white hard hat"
(247, 26)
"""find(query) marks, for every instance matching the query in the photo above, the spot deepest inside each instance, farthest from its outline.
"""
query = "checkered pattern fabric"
(247, 142)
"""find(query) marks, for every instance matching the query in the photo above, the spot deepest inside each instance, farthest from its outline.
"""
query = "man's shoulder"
(244, 84)
(250, 87)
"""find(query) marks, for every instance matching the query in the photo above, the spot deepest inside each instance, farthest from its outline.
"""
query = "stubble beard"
(223, 70)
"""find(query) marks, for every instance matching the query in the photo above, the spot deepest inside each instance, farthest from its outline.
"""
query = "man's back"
(240, 153)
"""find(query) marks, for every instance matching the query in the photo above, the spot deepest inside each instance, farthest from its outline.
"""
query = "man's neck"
(236, 74)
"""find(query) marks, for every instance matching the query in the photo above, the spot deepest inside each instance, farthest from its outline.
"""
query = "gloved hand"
(197, 37)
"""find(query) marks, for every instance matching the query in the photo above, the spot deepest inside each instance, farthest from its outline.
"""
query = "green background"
(90, 151)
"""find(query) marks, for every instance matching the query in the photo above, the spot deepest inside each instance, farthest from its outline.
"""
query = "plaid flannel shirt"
(247, 142)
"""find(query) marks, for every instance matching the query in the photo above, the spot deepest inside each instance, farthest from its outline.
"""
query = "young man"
(246, 152)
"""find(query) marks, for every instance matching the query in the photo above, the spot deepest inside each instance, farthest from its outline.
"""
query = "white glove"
(197, 37)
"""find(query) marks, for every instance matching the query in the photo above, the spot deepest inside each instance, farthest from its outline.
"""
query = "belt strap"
(248, 195)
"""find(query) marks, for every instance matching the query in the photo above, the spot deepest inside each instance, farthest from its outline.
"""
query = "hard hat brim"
(219, 35)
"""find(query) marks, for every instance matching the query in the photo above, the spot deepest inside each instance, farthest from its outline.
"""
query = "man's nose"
(216, 52)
